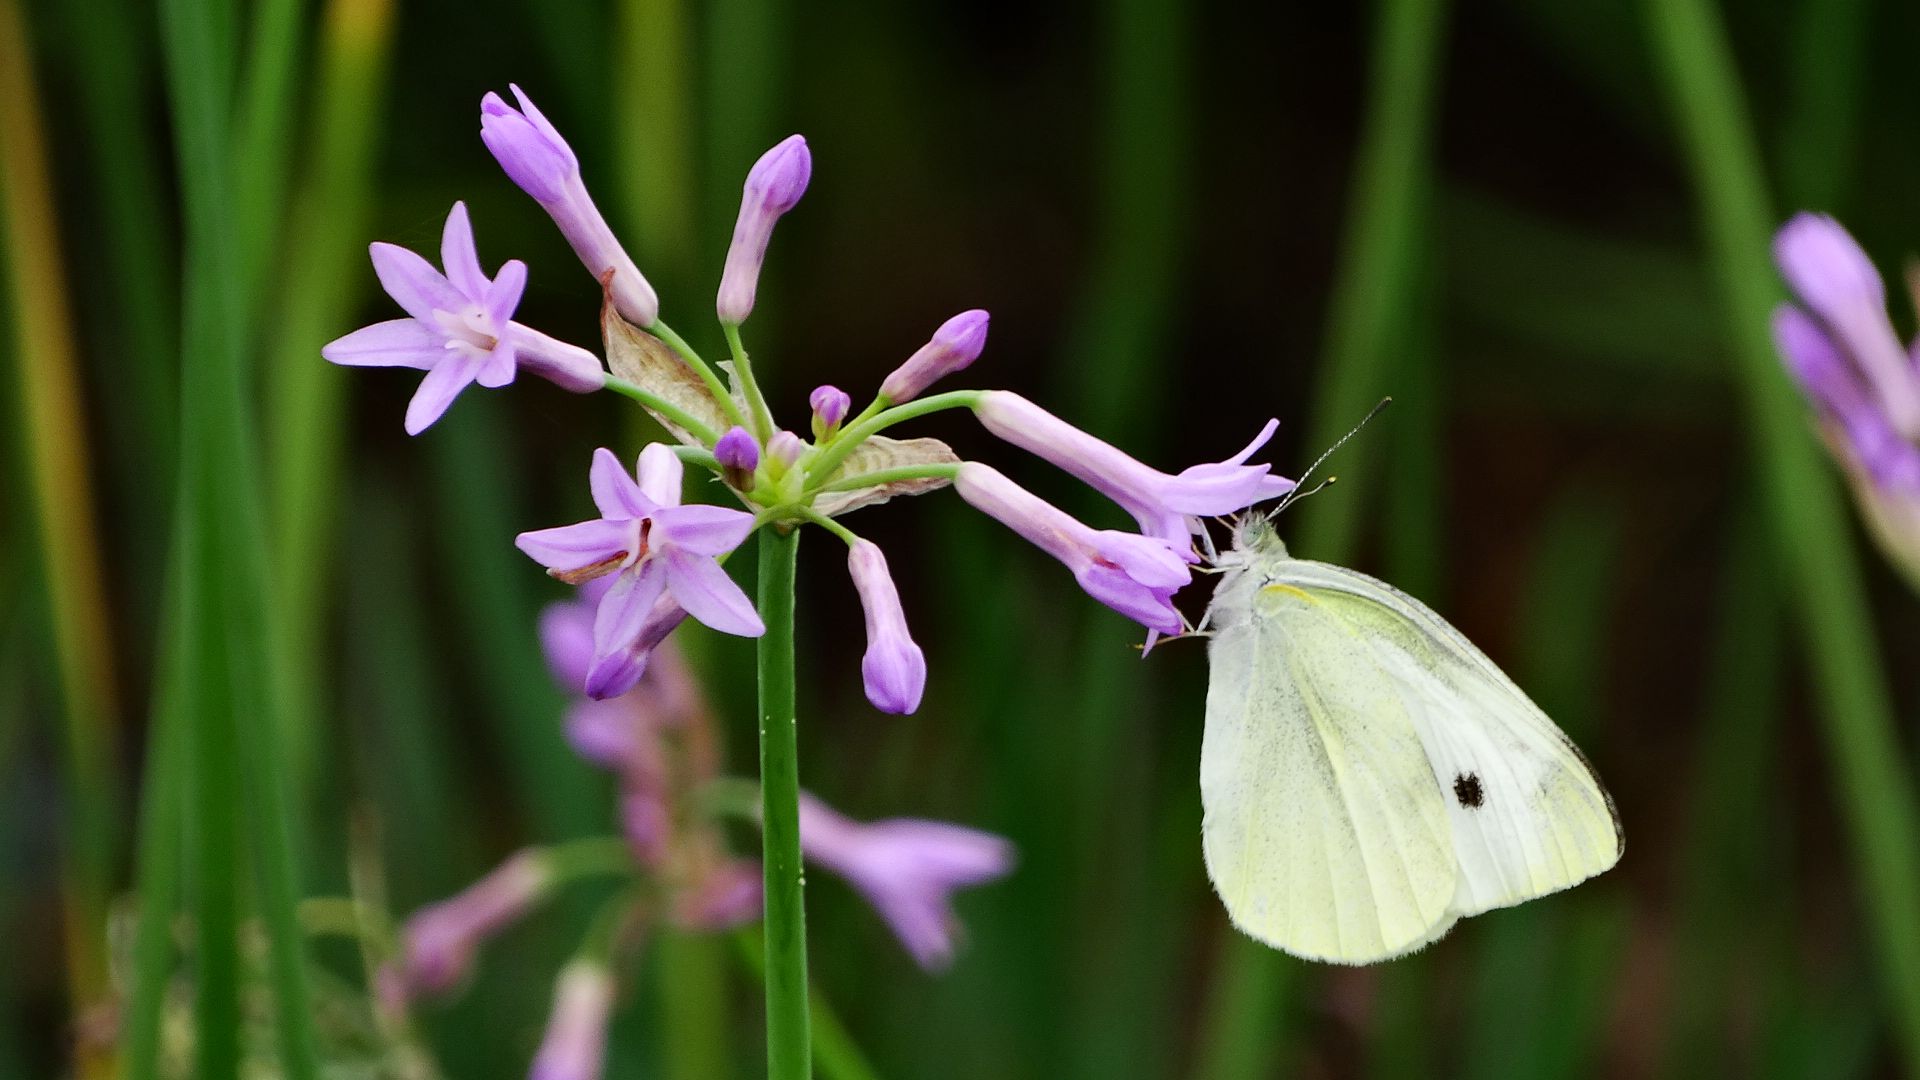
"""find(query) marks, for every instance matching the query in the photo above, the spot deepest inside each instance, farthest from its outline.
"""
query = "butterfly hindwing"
(1324, 833)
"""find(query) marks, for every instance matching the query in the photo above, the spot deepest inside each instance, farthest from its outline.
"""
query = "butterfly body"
(1368, 776)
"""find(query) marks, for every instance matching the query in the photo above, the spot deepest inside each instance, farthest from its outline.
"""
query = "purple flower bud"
(830, 407)
(440, 939)
(1167, 507)
(739, 455)
(1134, 575)
(574, 1047)
(907, 869)
(537, 159)
(785, 447)
(956, 344)
(894, 668)
(726, 895)
(774, 185)
(1835, 279)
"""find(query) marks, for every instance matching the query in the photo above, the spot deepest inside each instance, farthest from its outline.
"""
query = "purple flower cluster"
(647, 560)
(1840, 346)
(665, 557)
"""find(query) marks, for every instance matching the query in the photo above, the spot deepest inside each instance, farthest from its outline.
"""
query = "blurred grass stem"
(55, 444)
(1808, 516)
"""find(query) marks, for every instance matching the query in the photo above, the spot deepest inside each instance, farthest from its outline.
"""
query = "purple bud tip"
(737, 450)
(957, 343)
(964, 335)
(780, 177)
(830, 406)
(785, 447)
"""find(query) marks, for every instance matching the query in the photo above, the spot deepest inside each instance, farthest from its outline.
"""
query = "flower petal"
(459, 256)
(437, 391)
(624, 610)
(413, 282)
(661, 474)
(406, 343)
(614, 492)
(497, 368)
(503, 296)
(570, 547)
(701, 530)
(699, 585)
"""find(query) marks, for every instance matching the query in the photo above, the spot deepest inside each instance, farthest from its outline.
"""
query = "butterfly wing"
(1527, 814)
(1324, 832)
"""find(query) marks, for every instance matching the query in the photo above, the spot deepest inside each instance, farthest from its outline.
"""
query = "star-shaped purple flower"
(460, 329)
(655, 545)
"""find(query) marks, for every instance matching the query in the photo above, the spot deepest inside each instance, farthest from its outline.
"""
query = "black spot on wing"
(1466, 788)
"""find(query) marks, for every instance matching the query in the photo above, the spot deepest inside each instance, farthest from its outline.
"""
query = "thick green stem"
(788, 1034)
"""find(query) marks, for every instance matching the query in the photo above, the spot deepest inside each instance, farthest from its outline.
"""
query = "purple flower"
(1844, 354)
(894, 668)
(574, 1047)
(440, 939)
(907, 869)
(830, 407)
(460, 328)
(657, 547)
(1842, 350)
(1134, 575)
(1167, 507)
(774, 185)
(956, 344)
(1839, 285)
(537, 159)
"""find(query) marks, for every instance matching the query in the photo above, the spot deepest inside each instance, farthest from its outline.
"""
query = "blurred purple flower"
(460, 329)
(656, 547)
(957, 343)
(536, 158)
(439, 940)
(1134, 575)
(774, 185)
(1841, 348)
(907, 869)
(574, 1047)
(894, 669)
(1167, 507)
(727, 895)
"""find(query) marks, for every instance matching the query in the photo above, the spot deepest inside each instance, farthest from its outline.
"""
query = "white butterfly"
(1368, 776)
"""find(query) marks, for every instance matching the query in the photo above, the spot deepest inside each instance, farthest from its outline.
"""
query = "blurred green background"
(1539, 226)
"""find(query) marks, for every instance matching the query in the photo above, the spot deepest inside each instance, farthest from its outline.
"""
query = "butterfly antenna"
(1299, 492)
